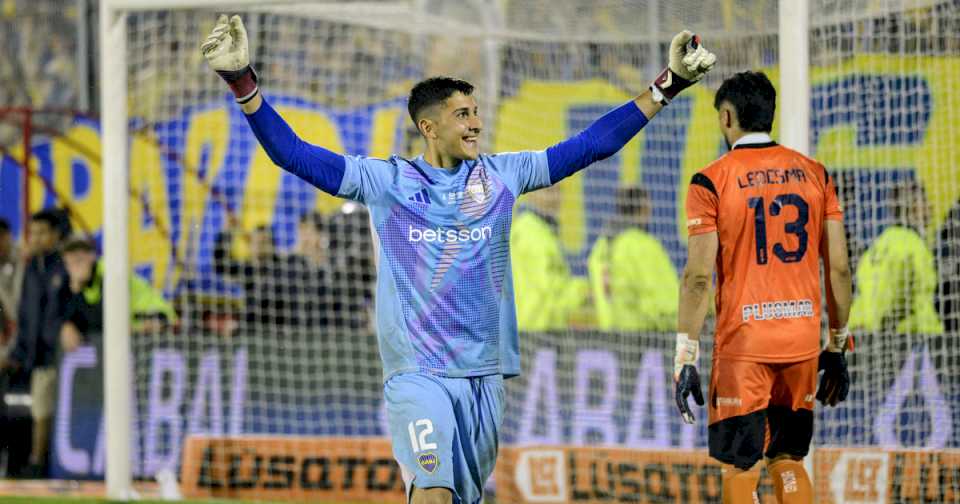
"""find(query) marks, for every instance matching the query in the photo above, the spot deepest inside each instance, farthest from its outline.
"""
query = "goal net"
(269, 383)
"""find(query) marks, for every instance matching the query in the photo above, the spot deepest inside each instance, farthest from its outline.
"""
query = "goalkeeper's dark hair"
(753, 97)
(434, 91)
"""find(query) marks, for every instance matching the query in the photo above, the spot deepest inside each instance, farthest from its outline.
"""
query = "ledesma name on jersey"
(775, 310)
(771, 176)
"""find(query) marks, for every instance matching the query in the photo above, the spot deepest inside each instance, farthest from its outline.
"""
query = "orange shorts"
(741, 387)
(752, 403)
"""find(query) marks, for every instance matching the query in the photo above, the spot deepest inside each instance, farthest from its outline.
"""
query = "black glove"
(688, 383)
(835, 382)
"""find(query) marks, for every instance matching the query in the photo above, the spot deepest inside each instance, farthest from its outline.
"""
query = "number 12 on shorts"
(419, 441)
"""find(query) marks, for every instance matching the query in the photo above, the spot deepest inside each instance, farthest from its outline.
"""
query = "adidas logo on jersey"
(421, 196)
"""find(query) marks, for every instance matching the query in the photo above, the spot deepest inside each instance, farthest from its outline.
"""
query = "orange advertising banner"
(357, 469)
(874, 476)
(559, 474)
(594, 475)
(298, 469)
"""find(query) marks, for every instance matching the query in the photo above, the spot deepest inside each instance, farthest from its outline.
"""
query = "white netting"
(275, 336)
(884, 121)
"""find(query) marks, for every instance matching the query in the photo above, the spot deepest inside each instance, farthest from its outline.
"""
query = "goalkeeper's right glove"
(685, 375)
(835, 382)
(688, 64)
(227, 53)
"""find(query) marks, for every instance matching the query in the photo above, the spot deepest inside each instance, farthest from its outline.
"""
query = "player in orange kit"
(764, 216)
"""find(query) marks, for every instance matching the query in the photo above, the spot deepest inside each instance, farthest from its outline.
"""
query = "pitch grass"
(78, 500)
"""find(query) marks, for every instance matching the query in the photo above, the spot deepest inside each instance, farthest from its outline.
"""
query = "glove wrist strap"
(242, 82)
(669, 85)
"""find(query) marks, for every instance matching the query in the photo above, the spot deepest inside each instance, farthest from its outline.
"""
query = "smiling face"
(453, 127)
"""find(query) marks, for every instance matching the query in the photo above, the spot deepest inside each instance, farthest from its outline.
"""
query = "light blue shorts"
(445, 430)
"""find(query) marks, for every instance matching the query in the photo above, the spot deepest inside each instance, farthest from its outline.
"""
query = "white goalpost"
(118, 362)
(118, 376)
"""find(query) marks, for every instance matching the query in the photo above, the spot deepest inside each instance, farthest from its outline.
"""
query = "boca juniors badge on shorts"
(428, 462)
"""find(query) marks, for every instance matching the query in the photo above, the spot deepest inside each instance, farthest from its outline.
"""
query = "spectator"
(83, 304)
(269, 280)
(311, 260)
(313, 241)
(11, 280)
(896, 277)
(547, 295)
(634, 284)
(353, 269)
(948, 300)
(38, 319)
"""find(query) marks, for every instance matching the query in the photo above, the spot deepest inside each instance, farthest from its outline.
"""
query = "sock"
(739, 486)
(790, 481)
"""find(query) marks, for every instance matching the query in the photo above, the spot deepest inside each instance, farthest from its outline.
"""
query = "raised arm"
(226, 51)
(689, 62)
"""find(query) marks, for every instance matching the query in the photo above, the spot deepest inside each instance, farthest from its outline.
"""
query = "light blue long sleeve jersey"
(444, 289)
(444, 301)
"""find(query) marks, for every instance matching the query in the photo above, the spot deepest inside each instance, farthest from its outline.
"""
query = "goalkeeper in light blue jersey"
(446, 321)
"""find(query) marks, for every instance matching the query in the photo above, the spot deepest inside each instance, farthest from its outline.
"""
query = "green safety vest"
(896, 280)
(634, 283)
(144, 299)
(546, 293)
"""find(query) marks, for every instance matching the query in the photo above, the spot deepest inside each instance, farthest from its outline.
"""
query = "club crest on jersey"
(476, 192)
(428, 462)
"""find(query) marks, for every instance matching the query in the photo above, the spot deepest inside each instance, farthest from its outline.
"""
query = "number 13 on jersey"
(797, 227)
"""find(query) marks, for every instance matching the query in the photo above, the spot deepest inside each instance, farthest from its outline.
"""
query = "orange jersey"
(767, 204)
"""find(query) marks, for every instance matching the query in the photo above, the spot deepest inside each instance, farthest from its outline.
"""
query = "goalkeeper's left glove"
(689, 62)
(835, 382)
(227, 52)
(685, 375)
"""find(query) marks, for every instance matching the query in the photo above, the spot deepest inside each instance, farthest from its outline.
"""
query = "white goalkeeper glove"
(685, 375)
(689, 62)
(227, 53)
